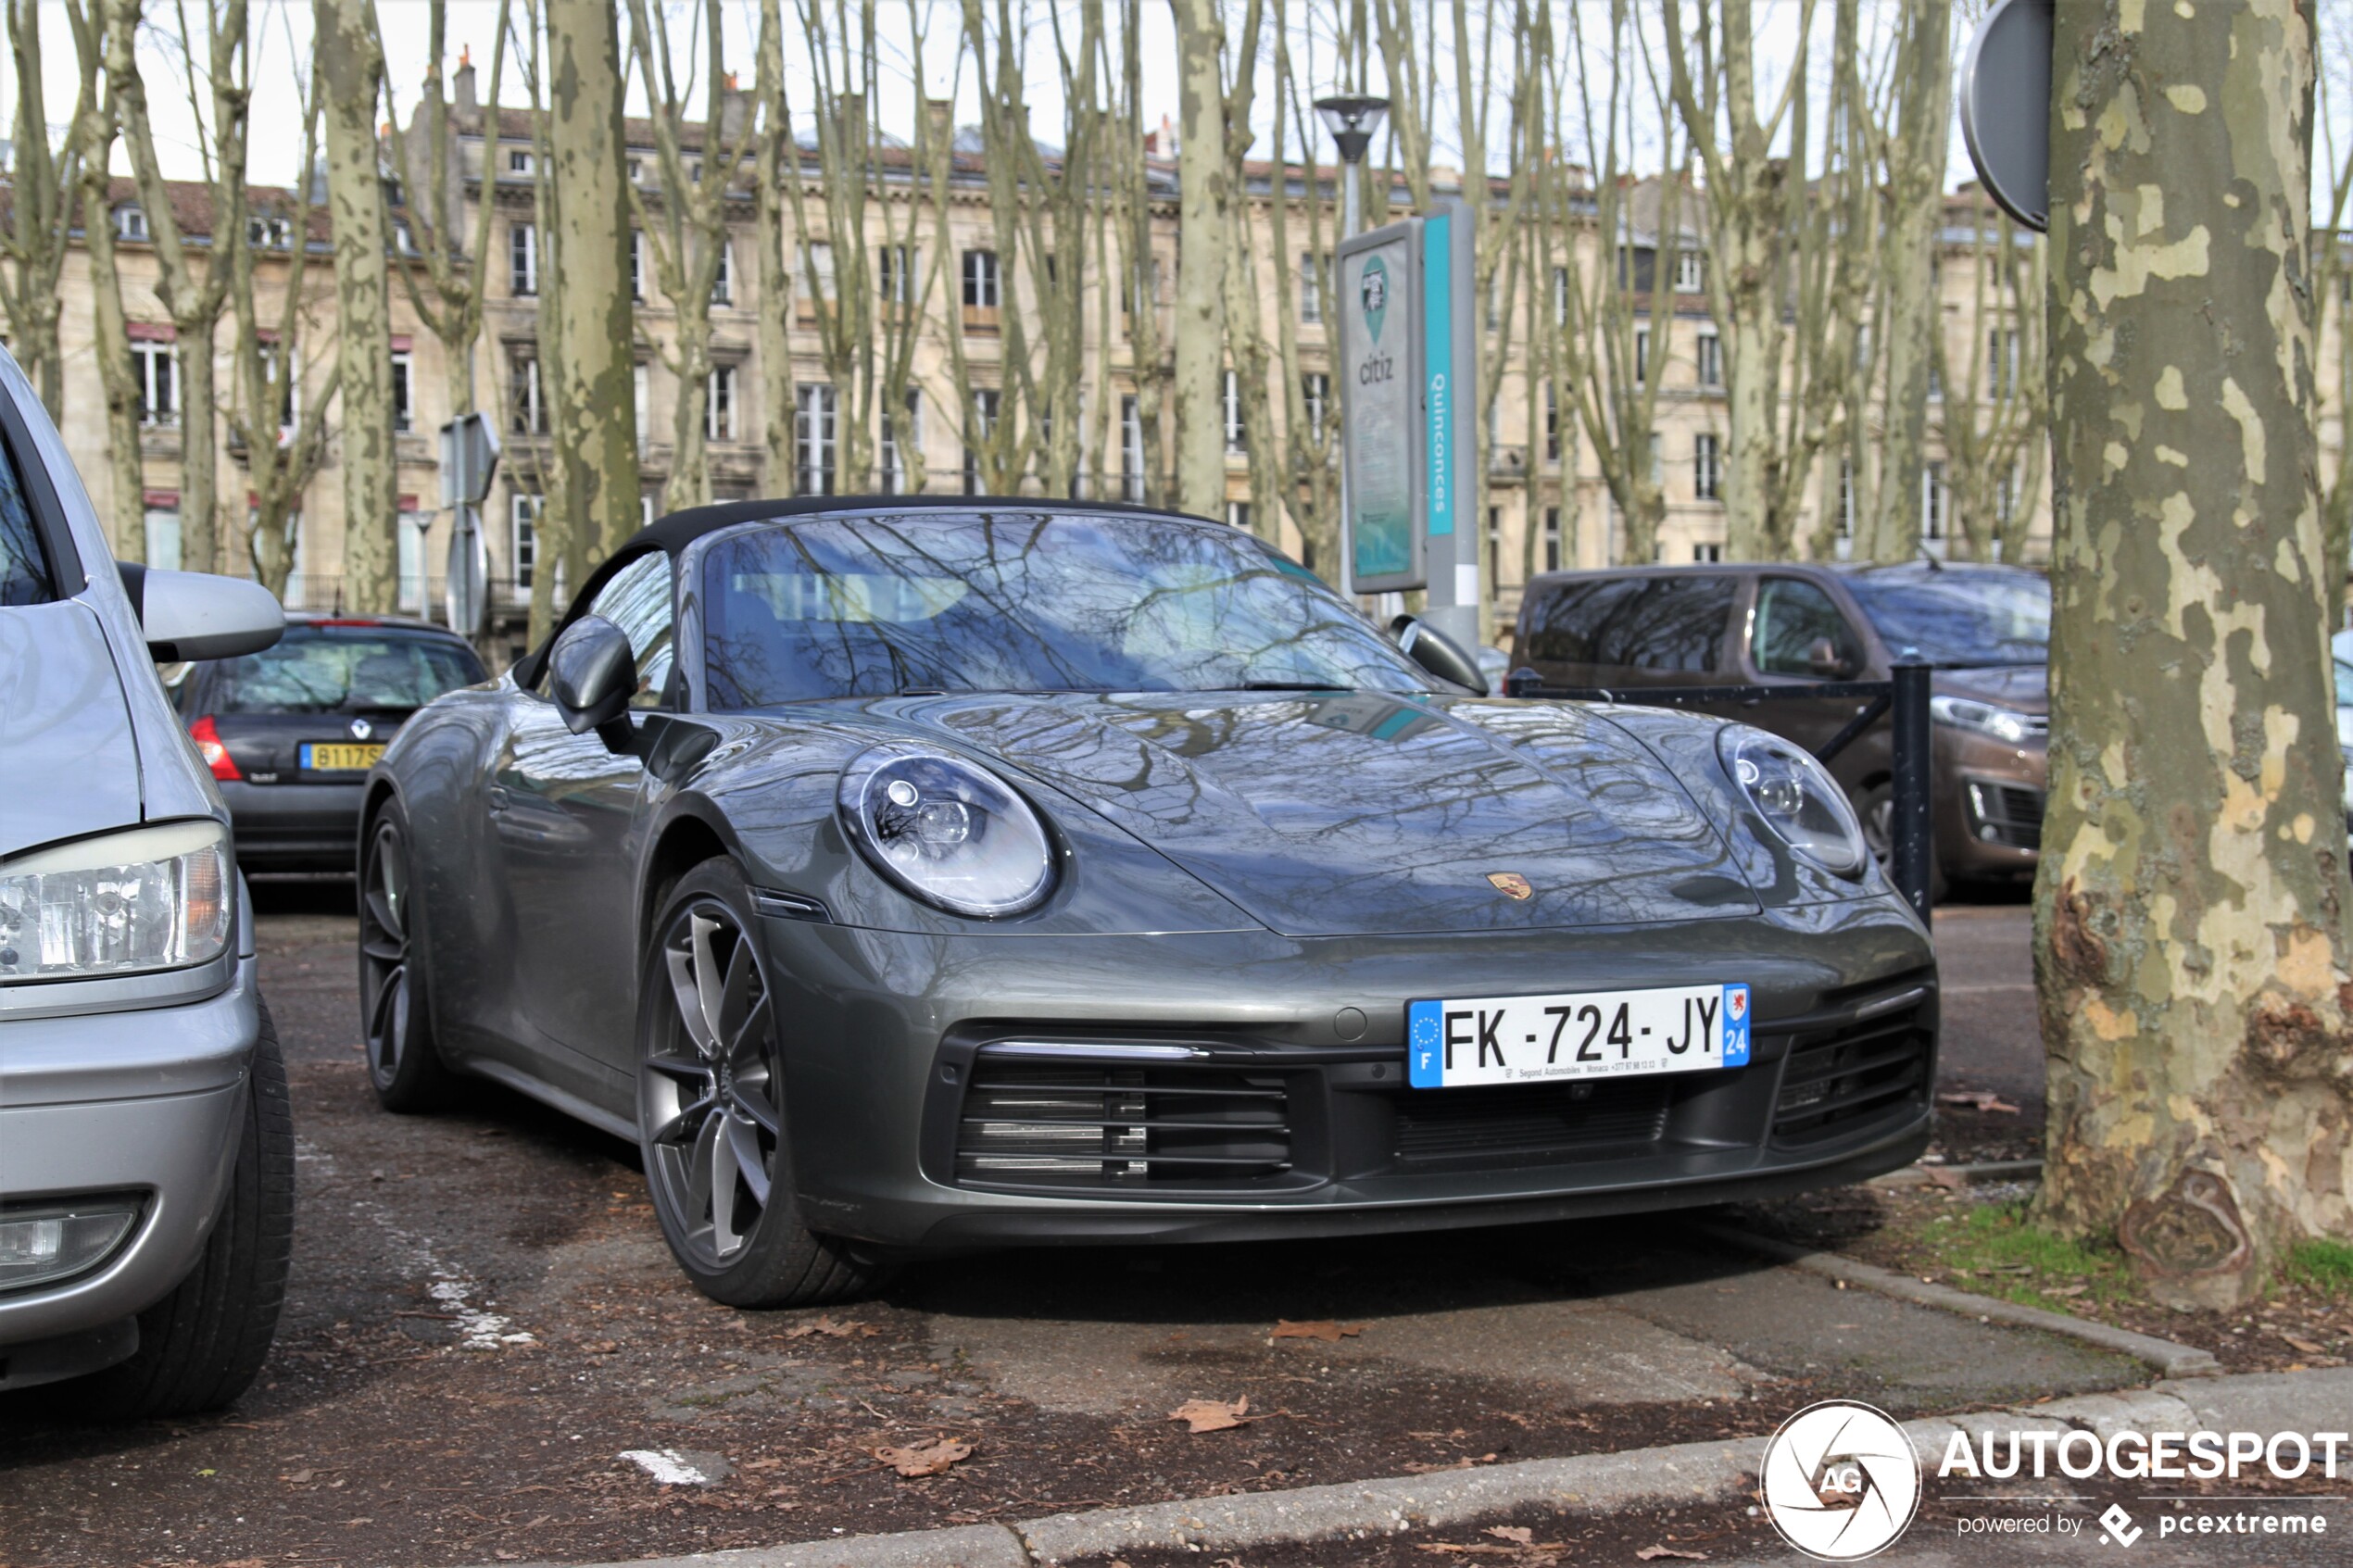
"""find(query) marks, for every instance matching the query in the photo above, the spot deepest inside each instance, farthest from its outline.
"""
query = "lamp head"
(1352, 121)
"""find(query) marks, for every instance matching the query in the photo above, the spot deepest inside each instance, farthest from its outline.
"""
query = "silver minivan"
(147, 1152)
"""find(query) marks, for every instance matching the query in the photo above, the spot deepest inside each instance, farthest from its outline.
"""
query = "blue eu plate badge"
(1424, 1041)
(1736, 1026)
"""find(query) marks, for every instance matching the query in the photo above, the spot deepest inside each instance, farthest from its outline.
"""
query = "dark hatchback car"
(1986, 629)
(290, 732)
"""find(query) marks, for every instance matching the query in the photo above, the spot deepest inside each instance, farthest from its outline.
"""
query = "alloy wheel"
(708, 1083)
(384, 948)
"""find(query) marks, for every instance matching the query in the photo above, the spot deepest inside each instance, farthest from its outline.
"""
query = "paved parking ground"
(487, 1354)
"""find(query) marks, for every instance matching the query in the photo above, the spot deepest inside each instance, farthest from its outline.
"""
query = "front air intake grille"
(1531, 1123)
(1096, 1125)
(2010, 815)
(1840, 1078)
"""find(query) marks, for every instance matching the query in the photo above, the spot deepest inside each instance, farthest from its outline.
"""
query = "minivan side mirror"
(186, 615)
(1823, 660)
(1437, 653)
(593, 675)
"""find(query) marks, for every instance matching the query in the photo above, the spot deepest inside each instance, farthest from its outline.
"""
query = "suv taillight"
(207, 739)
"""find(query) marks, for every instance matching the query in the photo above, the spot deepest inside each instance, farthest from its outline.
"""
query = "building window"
(269, 232)
(816, 437)
(719, 407)
(522, 513)
(1311, 289)
(1494, 545)
(981, 279)
(895, 273)
(522, 259)
(637, 265)
(723, 283)
(1658, 469)
(1237, 431)
(1560, 297)
(1690, 274)
(527, 408)
(821, 270)
(1932, 501)
(1846, 499)
(131, 221)
(1131, 449)
(404, 237)
(1711, 359)
(1552, 538)
(2006, 497)
(1706, 551)
(286, 370)
(986, 402)
(640, 382)
(156, 374)
(1707, 468)
(2003, 344)
(163, 535)
(1238, 515)
(1551, 422)
(410, 534)
(403, 391)
(1316, 392)
(902, 446)
(1642, 355)
(518, 161)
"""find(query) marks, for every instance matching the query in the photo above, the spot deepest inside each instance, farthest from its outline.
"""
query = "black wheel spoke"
(752, 1100)
(384, 1032)
(685, 1069)
(686, 994)
(676, 1130)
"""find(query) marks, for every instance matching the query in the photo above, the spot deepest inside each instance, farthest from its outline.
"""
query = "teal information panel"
(1377, 295)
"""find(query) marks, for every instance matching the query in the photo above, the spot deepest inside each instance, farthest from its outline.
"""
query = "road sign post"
(1408, 358)
(468, 459)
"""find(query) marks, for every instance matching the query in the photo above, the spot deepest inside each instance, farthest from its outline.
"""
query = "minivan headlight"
(155, 897)
(947, 831)
(1796, 796)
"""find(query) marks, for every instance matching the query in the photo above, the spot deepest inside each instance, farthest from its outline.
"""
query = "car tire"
(201, 1345)
(1875, 807)
(396, 1026)
(711, 1122)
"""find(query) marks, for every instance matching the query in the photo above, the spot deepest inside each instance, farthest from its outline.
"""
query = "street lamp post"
(1352, 119)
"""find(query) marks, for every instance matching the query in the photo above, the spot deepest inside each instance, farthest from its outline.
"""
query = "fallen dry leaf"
(1466, 1463)
(1977, 1100)
(601, 1347)
(1951, 1181)
(1653, 1554)
(2064, 1291)
(930, 1459)
(831, 1330)
(1519, 1535)
(2305, 1345)
(1212, 1415)
(1323, 1329)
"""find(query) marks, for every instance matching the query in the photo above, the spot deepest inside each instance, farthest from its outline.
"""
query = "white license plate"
(1575, 1035)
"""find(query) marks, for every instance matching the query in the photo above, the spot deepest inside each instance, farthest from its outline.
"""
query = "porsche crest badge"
(1511, 885)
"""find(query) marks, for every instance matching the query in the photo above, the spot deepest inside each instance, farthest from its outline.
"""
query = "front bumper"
(295, 827)
(1289, 1114)
(1988, 806)
(146, 1102)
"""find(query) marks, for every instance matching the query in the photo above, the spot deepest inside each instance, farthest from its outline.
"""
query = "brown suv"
(1986, 629)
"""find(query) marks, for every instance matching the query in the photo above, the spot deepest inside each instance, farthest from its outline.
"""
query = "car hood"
(69, 759)
(1359, 814)
(2025, 687)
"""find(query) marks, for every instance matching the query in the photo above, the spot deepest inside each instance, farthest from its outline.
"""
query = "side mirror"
(186, 615)
(1823, 660)
(593, 677)
(1437, 653)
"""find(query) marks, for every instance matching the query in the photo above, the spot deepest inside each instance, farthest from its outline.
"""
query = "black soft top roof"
(675, 531)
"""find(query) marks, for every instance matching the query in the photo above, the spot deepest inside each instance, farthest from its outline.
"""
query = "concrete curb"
(1989, 1171)
(2167, 1358)
(1683, 1474)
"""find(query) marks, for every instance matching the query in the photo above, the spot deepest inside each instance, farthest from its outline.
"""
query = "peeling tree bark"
(1201, 260)
(595, 405)
(94, 134)
(2189, 917)
(44, 186)
(350, 83)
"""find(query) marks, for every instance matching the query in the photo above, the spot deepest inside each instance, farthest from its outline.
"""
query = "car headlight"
(43, 1243)
(1796, 796)
(154, 898)
(1966, 713)
(946, 831)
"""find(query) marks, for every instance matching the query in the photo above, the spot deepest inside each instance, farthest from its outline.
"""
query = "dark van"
(1986, 629)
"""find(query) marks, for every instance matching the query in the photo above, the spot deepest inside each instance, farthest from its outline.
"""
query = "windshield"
(342, 670)
(1957, 617)
(945, 602)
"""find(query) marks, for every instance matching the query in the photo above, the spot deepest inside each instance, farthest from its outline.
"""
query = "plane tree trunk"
(351, 80)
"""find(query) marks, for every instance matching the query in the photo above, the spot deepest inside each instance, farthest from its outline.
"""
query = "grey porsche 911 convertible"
(906, 874)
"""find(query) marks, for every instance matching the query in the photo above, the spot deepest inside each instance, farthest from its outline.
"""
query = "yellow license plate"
(325, 758)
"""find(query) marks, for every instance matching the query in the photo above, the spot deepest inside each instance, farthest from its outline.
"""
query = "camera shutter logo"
(1841, 1481)
(2117, 1527)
